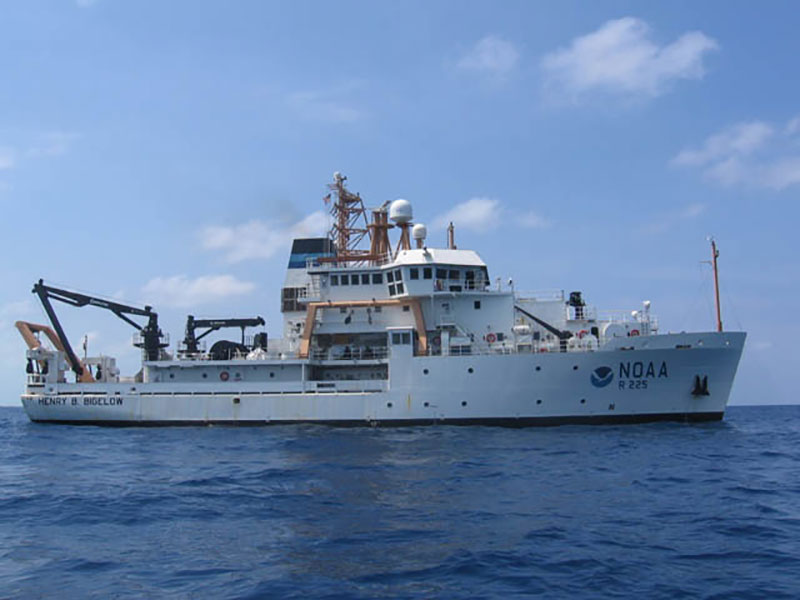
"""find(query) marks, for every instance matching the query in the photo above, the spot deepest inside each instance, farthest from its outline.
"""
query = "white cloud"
(476, 214)
(329, 106)
(667, 221)
(260, 239)
(8, 158)
(533, 220)
(53, 143)
(490, 56)
(620, 58)
(735, 141)
(754, 153)
(181, 291)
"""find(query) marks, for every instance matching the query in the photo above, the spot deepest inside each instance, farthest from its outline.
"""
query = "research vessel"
(378, 333)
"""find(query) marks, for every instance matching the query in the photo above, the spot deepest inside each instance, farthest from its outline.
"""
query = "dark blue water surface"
(635, 511)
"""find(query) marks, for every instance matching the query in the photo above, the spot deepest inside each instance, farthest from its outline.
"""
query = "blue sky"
(167, 152)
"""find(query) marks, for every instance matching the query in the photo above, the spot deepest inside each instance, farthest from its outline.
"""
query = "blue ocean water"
(634, 511)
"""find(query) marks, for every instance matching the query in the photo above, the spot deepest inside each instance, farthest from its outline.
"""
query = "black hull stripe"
(491, 421)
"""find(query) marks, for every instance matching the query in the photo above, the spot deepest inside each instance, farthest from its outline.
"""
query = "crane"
(151, 341)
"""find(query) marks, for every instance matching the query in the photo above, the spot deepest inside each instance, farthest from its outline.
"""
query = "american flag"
(327, 199)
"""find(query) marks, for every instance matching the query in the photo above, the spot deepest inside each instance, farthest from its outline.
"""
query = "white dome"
(400, 211)
(419, 231)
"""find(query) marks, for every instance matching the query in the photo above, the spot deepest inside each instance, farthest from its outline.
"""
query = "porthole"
(205, 375)
(424, 371)
(470, 370)
(172, 375)
(574, 367)
(538, 368)
(426, 404)
(236, 400)
(272, 374)
(583, 400)
(463, 403)
(538, 402)
(389, 404)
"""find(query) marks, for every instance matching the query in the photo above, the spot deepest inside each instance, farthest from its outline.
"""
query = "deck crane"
(190, 342)
(151, 339)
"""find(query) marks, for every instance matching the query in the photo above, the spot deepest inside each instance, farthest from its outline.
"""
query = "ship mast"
(347, 230)
(714, 256)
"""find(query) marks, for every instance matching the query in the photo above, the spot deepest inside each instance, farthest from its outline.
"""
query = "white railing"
(36, 379)
(357, 353)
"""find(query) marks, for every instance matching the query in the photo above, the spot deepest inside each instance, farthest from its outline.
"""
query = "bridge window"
(334, 280)
(354, 279)
(389, 277)
(455, 274)
(345, 279)
(400, 288)
(392, 290)
(398, 275)
(441, 273)
(377, 278)
(413, 272)
(427, 273)
(365, 279)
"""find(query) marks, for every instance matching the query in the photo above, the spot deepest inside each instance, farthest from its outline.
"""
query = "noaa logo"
(602, 376)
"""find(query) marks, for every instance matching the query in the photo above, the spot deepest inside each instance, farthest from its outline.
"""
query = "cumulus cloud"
(755, 153)
(476, 214)
(621, 58)
(181, 291)
(260, 239)
(492, 56)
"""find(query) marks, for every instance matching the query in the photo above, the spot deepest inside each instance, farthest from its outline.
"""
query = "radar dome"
(419, 231)
(400, 211)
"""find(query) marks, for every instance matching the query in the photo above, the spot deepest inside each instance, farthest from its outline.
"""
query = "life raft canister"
(224, 376)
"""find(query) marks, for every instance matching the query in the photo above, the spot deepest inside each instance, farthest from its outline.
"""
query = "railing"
(36, 379)
(357, 353)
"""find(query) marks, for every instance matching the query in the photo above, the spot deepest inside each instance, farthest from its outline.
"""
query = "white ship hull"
(650, 378)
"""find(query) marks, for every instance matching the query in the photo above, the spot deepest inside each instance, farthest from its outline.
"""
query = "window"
(377, 278)
(477, 304)
(389, 277)
(354, 279)
(398, 275)
(399, 288)
(365, 279)
(427, 273)
(441, 274)
(406, 308)
(401, 338)
(406, 337)
(392, 291)
(334, 280)
(500, 336)
(413, 272)
(342, 309)
(345, 279)
(378, 309)
(455, 274)
(396, 338)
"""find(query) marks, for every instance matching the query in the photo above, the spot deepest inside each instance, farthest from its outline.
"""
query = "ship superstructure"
(376, 333)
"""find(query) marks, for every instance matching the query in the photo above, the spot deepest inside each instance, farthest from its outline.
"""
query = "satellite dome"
(419, 231)
(400, 211)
